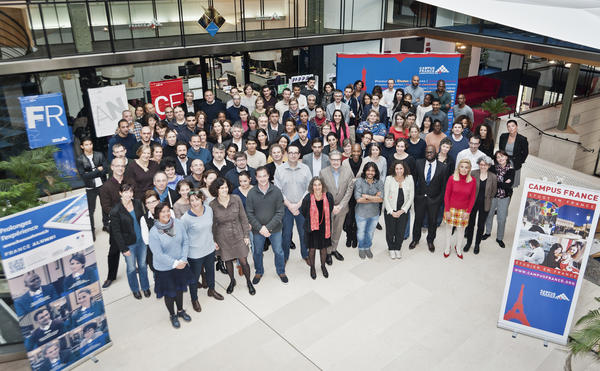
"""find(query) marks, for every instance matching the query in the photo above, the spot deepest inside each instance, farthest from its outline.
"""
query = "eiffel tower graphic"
(517, 312)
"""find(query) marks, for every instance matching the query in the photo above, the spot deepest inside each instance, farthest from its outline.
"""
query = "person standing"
(417, 92)
(211, 107)
(387, 99)
(437, 113)
(472, 153)
(126, 234)
(430, 181)
(505, 175)
(198, 222)
(461, 108)
(459, 198)
(91, 166)
(140, 172)
(268, 98)
(458, 141)
(316, 208)
(354, 165)
(368, 192)
(264, 206)
(123, 137)
(337, 104)
(517, 148)
(444, 97)
(316, 160)
(339, 181)
(486, 183)
(166, 194)
(170, 245)
(399, 194)
(230, 230)
(292, 178)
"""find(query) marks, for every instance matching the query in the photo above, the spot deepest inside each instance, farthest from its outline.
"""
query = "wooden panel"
(9, 29)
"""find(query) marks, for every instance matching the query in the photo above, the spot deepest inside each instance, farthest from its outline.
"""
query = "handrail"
(541, 132)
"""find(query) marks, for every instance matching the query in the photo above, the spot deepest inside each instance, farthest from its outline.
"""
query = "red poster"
(166, 93)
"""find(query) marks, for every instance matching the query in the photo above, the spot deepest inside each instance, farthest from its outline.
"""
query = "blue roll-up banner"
(553, 238)
(377, 69)
(49, 260)
(45, 120)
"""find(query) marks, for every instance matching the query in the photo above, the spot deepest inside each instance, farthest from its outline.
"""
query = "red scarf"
(314, 215)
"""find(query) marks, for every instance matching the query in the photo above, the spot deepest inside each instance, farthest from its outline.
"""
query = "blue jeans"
(138, 255)
(259, 243)
(365, 230)
(208, 262)
(288, 224)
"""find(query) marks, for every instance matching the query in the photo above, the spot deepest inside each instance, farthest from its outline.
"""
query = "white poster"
(107, 105)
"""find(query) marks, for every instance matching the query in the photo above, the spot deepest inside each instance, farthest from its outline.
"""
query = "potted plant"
(587, 338)
(495, 107)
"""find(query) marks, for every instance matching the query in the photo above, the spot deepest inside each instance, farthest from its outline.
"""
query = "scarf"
(354, 166)
(165, 228)
(314, 215)
(343, 132)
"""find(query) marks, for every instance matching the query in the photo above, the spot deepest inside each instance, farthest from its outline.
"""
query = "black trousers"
(91, 194)
(350, 222)
(394, 230)
(114, 255)
(478, 208)
(424, 206)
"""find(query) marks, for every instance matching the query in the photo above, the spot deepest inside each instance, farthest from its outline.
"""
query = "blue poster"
(45, 120)
(49, 260)
(377, 69)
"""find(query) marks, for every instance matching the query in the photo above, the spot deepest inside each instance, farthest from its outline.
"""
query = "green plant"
(32, 174)
(587, 338)
(495, 107)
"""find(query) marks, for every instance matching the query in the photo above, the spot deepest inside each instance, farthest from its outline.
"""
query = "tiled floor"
(422, 312)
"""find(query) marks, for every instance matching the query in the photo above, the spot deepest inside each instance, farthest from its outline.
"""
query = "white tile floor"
(422, 312)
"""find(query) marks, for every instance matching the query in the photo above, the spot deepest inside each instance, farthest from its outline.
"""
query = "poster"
(166, 93)
(553, 239)
(45, 120)
(377, 69)
(50, 264)
(107, 105)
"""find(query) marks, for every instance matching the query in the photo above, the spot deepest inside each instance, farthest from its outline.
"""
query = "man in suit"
(190, 105)
(36, 296)
(237, 132)
(430, 184)
(274, 128)
(92, 168)
(339, 181)
(166, 194)
(219, 162)
(338, 104)
(183, 162)
(46, 331)
(241, 164)
(316, 160)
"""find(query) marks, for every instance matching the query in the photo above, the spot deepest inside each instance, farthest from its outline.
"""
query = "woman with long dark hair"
(487, 139)
(327, 96)
(368, 192)
(338, 126)
(399, 193)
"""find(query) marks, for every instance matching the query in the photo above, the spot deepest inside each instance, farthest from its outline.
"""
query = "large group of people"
(214, 182)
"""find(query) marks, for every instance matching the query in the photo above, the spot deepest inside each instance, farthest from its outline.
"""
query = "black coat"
(434, 192)
(305, 210)
(521, 149)
(122, 231)
(89, 173)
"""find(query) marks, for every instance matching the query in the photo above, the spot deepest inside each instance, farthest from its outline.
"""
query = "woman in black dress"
(316, 208)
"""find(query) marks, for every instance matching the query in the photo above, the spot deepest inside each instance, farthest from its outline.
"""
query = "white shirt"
(473, 157)
(183, 165)
(190, 108)
(316, 164)
(249, 103)
(388, 100)
(97, 180)
(257, 159)
(301, 101)
(427, 166)
(421, 111)
(282, 106)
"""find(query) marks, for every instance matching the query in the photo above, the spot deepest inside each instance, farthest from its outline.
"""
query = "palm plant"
(495, 107)
(587, 338)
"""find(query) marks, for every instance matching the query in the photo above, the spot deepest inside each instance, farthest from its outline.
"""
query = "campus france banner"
(553, 238)
(377, 69)
(45, 120)
(50, 264)
(107, 105)
(166, 93)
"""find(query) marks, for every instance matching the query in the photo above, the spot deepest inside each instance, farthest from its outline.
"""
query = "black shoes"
(175, 321)
(379, 227)
(485, 236)
(348, 243)
(251, 289)
(313, 273)
(354, 244)
(431, 246)
(476, 249)
(328, 259)
(324, 270)
(337, 255)
(105, 229)
(184, 316)
(501, 243)
(231, 286)
(220, 266)
(293, 245)
(467, 246)
(213, 294)
(283, 278)
(137, 295)
(106, 284)
(412, 245)
(147, 293)
(256, 279)
(196, 306)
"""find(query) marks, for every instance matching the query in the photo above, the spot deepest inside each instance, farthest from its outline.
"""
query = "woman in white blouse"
(398, 197)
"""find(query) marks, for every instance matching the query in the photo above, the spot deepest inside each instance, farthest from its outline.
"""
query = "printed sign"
(166, 93)
(49, 260)
(553, 239)
(45, 120)
(107, 105)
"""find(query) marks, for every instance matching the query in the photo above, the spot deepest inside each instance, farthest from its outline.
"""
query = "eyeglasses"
(293, 153)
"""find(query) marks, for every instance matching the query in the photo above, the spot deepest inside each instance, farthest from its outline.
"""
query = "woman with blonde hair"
(458, 202)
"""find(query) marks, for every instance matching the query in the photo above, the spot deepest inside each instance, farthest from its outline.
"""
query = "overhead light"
(462, 47)
(568, 65)
(552, 62)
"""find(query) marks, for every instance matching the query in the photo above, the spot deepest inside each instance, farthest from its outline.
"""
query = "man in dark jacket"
(264, 206)
(92, 168)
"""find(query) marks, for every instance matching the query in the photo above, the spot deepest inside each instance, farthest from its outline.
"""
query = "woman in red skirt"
(458, 202)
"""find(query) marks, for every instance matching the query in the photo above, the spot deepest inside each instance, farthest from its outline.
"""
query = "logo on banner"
(431, 70)
(45, 120)
(211, 21)
(552, 295)
(167, 93)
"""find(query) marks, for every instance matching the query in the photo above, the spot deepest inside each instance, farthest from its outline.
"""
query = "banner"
(107, 105)
(553, 238)
(48, 258)
(45, 120)
(377, 69)
(166, 93)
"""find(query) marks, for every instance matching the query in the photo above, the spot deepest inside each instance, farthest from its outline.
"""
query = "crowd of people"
(214, 182)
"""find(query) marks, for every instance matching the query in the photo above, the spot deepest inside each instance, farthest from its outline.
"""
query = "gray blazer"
(345, 189)
(344, 108)
(490, 187)
(308, 160)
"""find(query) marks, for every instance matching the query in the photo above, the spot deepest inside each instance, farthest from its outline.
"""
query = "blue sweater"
(199, 231)
(129, 142)
(457, 146)
(166, 249)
